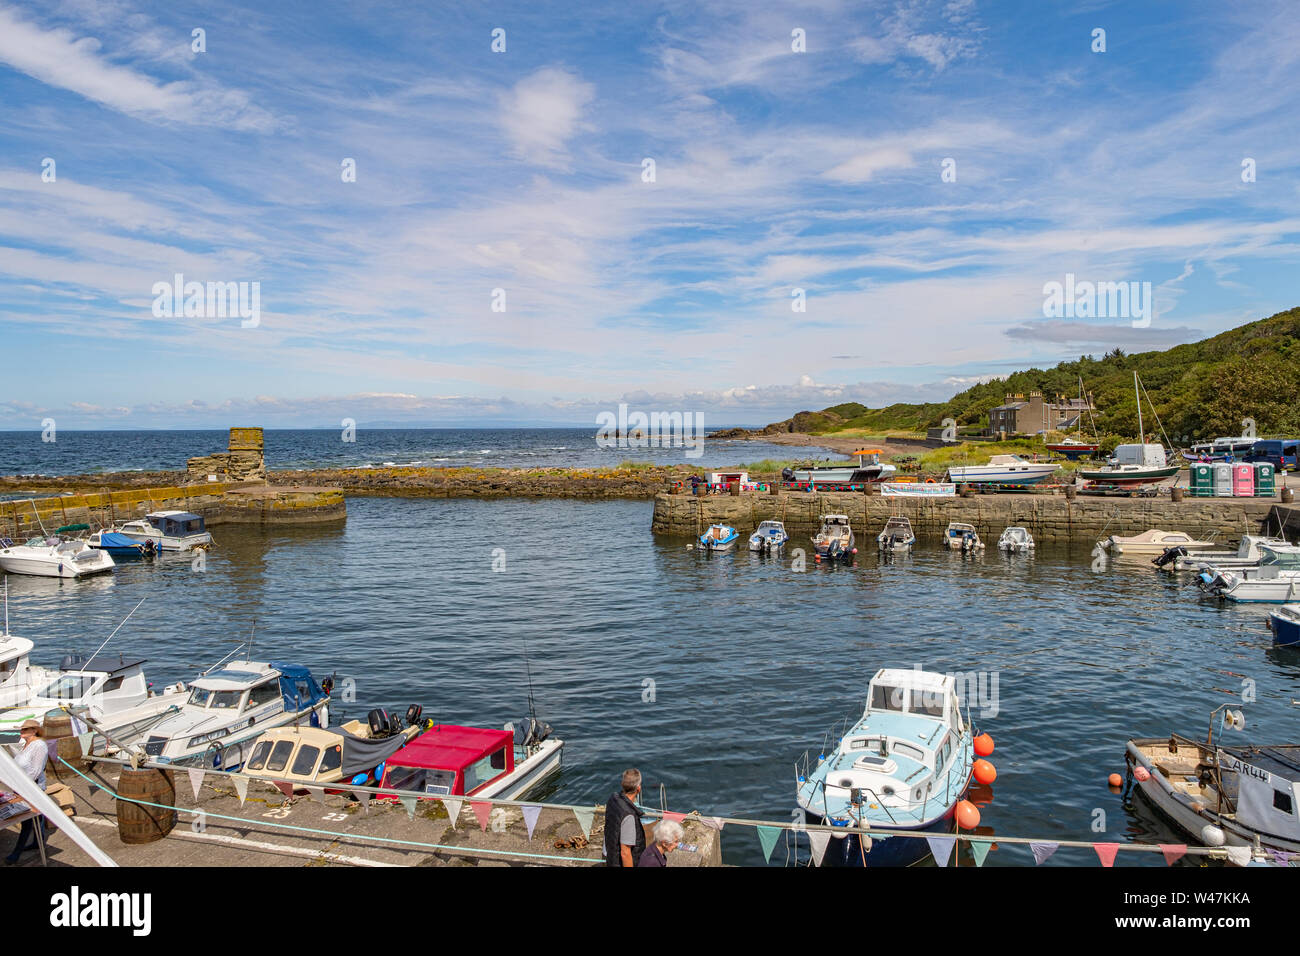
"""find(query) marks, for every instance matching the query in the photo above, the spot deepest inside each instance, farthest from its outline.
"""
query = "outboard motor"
(378, 721)
(395, 725)
(532, 731)
(1171, 554)
(413, 715)
(787, 474)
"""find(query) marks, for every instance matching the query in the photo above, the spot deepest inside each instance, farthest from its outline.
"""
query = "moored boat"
(903, 766)
(960, 536)
(770, 536)
(1016, 540)
(1153, 542)
(1073, 449)
(1135, 465)
(1285, 624)
(869, 468)
(834, 541)
(167, 530)
(52, 558)
(1248, 554)
(1276, 580)
(119, 545)
(897, 535)
(719, 537)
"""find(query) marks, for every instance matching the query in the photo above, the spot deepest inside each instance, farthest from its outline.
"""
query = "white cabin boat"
(168, 531)
(897, 535)
(1275, 580)
(1016, 540)
(1153, 542)
(961, 536)
(770, 536)
(1248, 554)
(52, 558)
(1003, 470)
(227, 710)
(834, 541)
(869, 468)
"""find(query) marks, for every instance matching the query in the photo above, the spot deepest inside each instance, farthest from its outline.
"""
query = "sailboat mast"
(1142, 435)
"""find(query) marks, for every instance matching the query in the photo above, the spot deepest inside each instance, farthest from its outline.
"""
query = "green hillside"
(1200, 390)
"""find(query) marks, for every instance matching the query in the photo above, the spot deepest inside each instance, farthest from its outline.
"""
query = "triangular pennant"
(453, 805)
(716, 822)
(767, 837)
(196, 782)
(1239, 855)
(674, 817)
(531, 813)
(409, 803)
(1280, 857)
(1042, 851)
(85, 740)
(818, 839)
(363, 798)
(941, 847)
(241, 787)
(483, 811)
(1173, 852)
(1107, 852)
(316, 793)
(584, 816)
(979, 849)
(284, 788)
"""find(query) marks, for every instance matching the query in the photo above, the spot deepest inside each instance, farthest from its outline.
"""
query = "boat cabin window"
(333, 758)
(260, 752)
(907, 750)
(264, 694)
(113, 683)
(305, 760)
(69, 687)
(6, 667)
(1282, 801)
(405, 778)
(928, 702)
(884, 697)
(199, 697)
(279, 755)
(226, 699)
(481, 771)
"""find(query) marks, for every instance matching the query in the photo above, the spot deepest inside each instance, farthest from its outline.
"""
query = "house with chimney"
(1019, 415)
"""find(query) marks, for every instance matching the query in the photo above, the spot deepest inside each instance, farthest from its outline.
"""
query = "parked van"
(1280, 453)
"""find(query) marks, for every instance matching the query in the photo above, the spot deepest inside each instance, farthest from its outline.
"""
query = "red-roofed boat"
(449, 760)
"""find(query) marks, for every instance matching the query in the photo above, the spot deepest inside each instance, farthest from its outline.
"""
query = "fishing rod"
(106, 640)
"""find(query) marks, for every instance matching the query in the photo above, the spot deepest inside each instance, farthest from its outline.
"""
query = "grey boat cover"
(363, 753)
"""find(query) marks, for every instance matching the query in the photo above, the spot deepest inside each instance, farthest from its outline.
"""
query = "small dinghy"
(897, 535)
(903, 766)
(719, 537)
(769, 537)
(1016, 541)
(1244, 796)
(961, 536)
(119, 545)
(835, 540)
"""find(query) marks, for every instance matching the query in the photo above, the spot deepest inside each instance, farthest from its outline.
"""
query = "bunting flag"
(1107, 852)
(316, 793)
(1173, 852)
(818, 839)
(196, 782)
(483, 811)
(979, 849)
(85, 740)
(1280, 857)
(1042, 851)
(241, 787)
(716, 822)
(363, 798)
(453, 805)
(1239, 855)
(674, 817)
(284, 788)
(584, 816)
(767, 837)
(531, 813)
(409, 803)
(941, 848)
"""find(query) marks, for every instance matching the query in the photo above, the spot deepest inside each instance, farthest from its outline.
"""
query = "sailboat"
(1133, 465)
(1071, 447)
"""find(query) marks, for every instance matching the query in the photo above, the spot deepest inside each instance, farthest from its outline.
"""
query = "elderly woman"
(668, 833)
(32, 761)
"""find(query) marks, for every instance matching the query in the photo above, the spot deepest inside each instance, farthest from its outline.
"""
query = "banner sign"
(918, 489)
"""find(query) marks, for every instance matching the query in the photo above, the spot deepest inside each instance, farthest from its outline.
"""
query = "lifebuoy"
(929, 481)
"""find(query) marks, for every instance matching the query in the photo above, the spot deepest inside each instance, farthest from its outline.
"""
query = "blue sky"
(522, 171)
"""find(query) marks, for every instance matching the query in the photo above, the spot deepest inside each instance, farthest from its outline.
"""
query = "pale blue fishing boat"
(719, 537)
(904, 766)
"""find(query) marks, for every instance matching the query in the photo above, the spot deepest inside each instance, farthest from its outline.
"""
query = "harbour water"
(91, 452)
(710, 673)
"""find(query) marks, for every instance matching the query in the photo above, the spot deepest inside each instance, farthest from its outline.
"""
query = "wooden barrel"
(1175, 494)
(1288, 496)
(137, 823)
(734, 488)
(57, 731)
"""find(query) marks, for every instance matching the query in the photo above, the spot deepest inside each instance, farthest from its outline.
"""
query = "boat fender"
(1212, 835)
(379, 771)
(359, 779)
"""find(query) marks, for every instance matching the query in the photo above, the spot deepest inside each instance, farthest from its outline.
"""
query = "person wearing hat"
(32, 761)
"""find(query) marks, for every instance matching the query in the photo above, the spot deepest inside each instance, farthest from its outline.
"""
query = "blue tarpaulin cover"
(111, 539)
(298, 687)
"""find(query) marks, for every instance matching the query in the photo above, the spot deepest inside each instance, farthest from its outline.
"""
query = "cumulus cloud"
(542, 111)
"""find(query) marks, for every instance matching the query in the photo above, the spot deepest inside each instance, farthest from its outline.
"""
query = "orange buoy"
(1116, 780)
(985, 772)
(983, 745)
(1141, 773)
(968, 815)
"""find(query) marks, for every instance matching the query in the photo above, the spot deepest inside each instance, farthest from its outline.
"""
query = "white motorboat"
(719, 537)
(1248, 554)
(17, 675)
(869, 468)
(1003, 470)
(1153, 542)
(114, 694)
(52, 558)
(1275, 580)
(896, 535)
(960, 536)
(1221, 449)
(834, 541)
(167, 531)
(1222, 796)
(227, 710)
(1016, 540)
(770, 536)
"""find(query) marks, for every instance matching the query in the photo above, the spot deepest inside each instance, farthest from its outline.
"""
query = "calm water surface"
(751, 662)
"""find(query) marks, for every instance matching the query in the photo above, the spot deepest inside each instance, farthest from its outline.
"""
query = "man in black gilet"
(624, 835)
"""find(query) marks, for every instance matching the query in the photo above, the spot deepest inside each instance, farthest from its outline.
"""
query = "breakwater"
(1049, 518)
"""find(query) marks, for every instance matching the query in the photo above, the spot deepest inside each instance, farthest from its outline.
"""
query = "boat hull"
(1074, 452)
(1032, 475)
(47, 568)
(847, 851)
(1144, 476)
(1286, 629)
